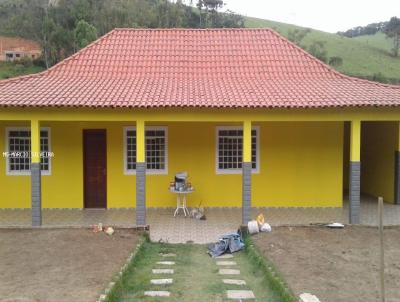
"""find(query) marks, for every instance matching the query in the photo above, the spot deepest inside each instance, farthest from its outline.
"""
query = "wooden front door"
(95, 168)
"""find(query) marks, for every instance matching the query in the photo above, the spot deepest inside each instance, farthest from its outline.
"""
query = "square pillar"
(140, 173)
(355, 172)
(36, 187)
(397, 168)
(246, 173)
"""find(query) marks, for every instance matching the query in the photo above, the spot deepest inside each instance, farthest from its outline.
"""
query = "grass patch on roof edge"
(271, 274)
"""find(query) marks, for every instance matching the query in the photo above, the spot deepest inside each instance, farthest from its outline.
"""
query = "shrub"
(335, 61)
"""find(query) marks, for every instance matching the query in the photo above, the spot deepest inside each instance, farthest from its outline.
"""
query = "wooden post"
(382, 255)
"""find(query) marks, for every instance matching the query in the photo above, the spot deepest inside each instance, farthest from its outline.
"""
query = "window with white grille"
(230, 149)
(19, 151)
(156, 150)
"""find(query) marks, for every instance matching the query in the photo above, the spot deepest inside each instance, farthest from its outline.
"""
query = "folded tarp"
(228, 243)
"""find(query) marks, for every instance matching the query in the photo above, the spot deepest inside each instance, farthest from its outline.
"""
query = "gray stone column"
(397, 177)
(354, 192)
(36, 194)
(246, 193)
(141, 194)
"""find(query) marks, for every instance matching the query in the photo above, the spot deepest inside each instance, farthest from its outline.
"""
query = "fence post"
(382, 255)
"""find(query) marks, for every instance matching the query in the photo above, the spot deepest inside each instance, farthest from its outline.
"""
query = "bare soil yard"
(335, 265)
(63, 265)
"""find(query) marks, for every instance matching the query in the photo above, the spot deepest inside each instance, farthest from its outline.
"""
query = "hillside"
(364, 56)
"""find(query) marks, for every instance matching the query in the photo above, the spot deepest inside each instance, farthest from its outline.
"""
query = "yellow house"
(252, 118)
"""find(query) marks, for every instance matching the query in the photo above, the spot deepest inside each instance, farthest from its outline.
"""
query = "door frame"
(91, 130)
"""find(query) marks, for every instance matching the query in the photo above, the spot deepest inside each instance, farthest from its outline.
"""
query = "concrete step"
(226, 263)
(157, 293)
(161, 281)
(240, 294)
(224, 256)
(229, 271)
(167, 255)
(166, 262)
(234, 281)
(162, 271)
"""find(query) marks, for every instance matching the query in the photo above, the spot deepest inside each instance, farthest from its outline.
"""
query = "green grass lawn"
(10, 70)
(362, 56)
(196, 276)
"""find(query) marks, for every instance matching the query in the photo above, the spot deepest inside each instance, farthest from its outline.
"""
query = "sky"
(330, 16)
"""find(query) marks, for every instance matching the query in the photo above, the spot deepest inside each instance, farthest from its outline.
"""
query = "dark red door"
(95, 168)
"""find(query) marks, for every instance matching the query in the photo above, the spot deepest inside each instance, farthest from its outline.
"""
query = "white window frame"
(25, 173)
(148, 171)
(236, 171)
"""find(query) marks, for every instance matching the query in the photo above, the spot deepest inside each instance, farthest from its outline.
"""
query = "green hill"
(364, 56)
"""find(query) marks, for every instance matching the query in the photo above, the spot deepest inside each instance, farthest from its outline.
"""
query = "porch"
(219, 220)
(288, 162)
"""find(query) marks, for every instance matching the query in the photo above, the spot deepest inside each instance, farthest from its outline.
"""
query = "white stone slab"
(157, 293)
(168, 255)
(224, 256)
(226, 263)
(234, 281)
(166, 262)
(240, 294)
(162, 271)
(161, 281)
(229, 271)
(306, 297)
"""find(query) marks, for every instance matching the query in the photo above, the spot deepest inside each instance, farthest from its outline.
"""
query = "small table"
(181, 200)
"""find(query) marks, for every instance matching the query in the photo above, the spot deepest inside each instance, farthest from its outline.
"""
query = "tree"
(84, 34)
(209, 12)
(335, 61)
(297, 35)
(392, 30)
(317, 49)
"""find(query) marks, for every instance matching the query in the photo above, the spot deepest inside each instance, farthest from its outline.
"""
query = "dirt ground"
(335, 265)
(63, 265)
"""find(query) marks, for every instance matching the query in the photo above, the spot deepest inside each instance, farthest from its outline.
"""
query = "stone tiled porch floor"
(219, 220)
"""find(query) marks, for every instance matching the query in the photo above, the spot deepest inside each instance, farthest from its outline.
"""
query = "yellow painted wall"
(301, 165)
(379, 141)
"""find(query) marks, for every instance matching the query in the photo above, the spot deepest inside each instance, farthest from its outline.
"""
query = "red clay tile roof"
(193, 68)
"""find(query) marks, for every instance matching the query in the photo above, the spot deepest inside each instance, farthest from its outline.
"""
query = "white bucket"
(253, 227)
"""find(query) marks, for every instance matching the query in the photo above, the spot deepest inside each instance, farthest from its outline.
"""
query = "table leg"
(177, 204)
(184, 204)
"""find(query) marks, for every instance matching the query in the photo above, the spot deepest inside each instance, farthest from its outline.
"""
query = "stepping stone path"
(157, 293)
(228, 271)
(240, 294)
(225, 256)
(162, 271)
(234, 281)
(166, 262)
(157, 271)
(168, 255)
(233, 294)
(226, 263)
(161, 281)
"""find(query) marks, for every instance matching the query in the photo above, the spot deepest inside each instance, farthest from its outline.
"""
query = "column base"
(36, 194)
(397, 177)
(354, 192)
(246, 192)
(141, 194)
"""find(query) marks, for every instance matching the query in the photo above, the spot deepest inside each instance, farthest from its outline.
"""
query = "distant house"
(12, 49)
(254, 119)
